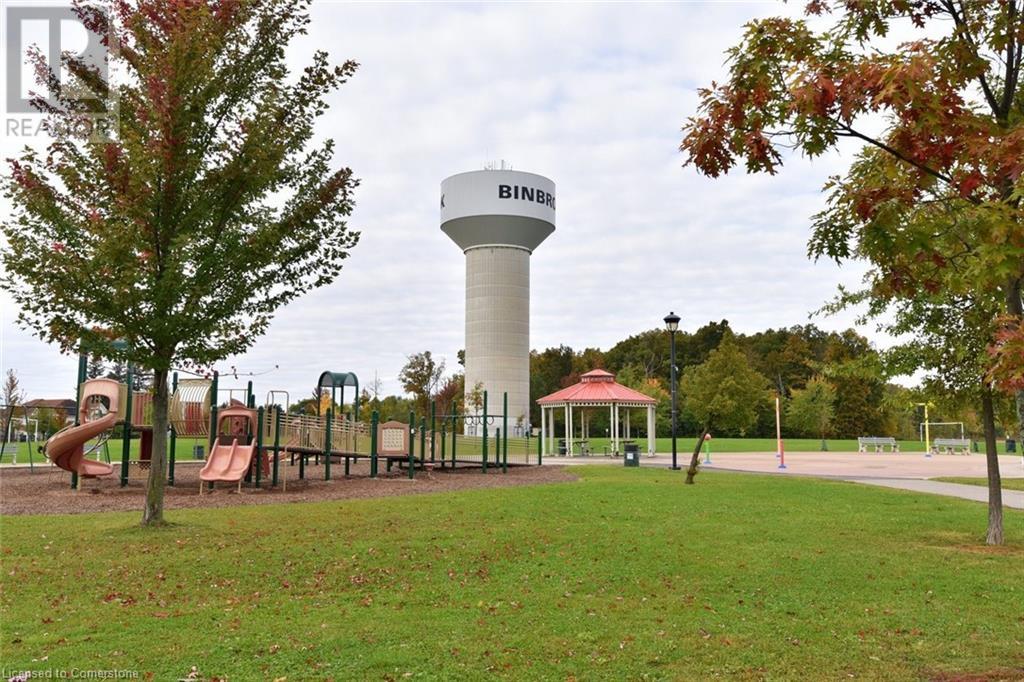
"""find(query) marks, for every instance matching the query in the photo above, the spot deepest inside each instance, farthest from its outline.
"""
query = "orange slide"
(66, 448)
(229, 463)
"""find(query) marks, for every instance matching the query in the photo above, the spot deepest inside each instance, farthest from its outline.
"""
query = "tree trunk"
(691, 471)
(1015, 307)
(995, 491)
(153, 514)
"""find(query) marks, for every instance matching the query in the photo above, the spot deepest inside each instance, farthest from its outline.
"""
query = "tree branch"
(1012, 63)
(850, 132)
(961, 25)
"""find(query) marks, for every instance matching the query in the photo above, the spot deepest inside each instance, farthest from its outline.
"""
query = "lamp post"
(672, 325)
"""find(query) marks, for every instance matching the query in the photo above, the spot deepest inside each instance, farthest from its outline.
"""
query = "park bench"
(950, 446)
(877, 442)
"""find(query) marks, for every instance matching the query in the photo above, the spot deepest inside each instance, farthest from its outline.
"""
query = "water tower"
(498, 217)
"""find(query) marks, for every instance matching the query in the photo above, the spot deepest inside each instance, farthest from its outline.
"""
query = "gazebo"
(597, 389)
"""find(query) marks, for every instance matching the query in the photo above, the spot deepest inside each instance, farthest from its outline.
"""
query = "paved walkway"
(979, 493)
(905, 471)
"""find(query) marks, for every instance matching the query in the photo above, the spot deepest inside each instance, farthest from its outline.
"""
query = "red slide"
(66, 448)
(229, 463)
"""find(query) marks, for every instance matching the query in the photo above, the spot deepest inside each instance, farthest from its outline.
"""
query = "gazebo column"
(543, 429)
(568, 429)
(618, 431)
(611, 428)
(627, 425)
(650, 430)
(615, 428)
(551, 430)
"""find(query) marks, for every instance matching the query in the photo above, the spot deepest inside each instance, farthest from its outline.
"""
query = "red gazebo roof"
(597, 386)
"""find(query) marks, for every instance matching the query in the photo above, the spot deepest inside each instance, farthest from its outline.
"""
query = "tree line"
(832, 384)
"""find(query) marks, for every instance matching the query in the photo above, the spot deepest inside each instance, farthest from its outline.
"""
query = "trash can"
(631, 455)
(1011, 445)
(561, 447)
(198, 452)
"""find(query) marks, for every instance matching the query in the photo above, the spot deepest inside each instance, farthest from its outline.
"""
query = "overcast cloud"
(592, 96)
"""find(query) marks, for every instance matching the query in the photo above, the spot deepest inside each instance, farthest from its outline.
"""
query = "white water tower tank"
(498, 217)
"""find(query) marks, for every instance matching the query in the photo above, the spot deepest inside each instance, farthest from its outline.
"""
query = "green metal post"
(374, 420)
(174, 437)
(126, 444)
(412, 441)
(497, 446)
(259, 445)
(277, 444)
(504, 429)
(83, 363)
(455, 425)
(423, 440)
(213, 411)
(540, 450)
(327, 445)
(484, 422)
(443, 433)
(248, 393)
(433, 427)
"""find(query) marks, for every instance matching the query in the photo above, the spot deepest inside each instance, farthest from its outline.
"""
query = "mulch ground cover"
(48, 491)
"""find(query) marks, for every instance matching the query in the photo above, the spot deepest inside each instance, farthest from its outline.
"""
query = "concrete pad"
(866, 465)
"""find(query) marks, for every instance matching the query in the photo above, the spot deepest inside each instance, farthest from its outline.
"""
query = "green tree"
(812, 408)
(95, 368)
(206, 208)
(723, 392)
(12, 396)
(932, 202)
(449, 394)
(654, 387)
(951, 343)
(421, 377)
(548, 371)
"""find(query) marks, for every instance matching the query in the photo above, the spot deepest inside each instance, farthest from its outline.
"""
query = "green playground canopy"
(336, 380)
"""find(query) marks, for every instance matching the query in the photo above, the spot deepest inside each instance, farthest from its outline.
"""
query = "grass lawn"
(626, 574)
(1008, 483)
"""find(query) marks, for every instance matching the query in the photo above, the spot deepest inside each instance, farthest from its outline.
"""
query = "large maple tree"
(933, 200)
(206, 205)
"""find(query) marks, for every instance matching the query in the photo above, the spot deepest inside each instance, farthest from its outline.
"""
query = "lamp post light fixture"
(672, 325)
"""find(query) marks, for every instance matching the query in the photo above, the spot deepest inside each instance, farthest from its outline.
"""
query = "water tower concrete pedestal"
(498, 218)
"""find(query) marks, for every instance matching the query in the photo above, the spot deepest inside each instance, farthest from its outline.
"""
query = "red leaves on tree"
(970, 183)
(1008, 356)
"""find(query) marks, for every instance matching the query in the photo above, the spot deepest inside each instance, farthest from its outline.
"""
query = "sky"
(592, 96)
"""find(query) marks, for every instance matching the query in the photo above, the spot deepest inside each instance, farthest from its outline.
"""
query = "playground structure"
(239, 434)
